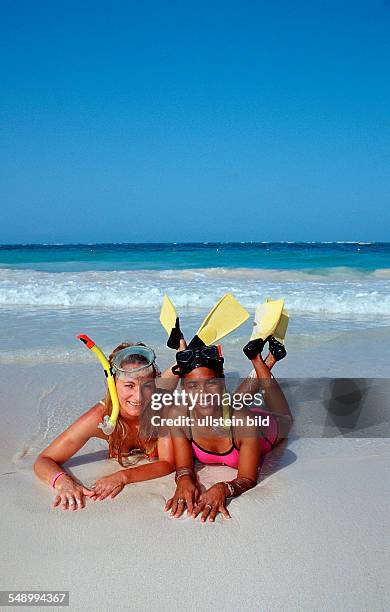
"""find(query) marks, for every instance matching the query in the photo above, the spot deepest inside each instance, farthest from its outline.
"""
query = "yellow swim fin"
(280, 331)
(225, 317)
(267, 317)
(168, 315)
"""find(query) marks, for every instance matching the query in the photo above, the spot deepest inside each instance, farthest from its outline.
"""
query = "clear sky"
(207, 120)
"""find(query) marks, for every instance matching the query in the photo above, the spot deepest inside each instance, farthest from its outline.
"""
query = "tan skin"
(133, 393)
(213, 500)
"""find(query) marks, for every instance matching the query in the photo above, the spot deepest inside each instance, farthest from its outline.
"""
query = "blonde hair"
(148, 435)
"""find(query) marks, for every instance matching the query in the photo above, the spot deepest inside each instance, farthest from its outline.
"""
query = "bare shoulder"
(88, 422)
(93, 414)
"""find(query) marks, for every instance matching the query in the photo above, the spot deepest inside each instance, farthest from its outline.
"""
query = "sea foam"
(335, 290)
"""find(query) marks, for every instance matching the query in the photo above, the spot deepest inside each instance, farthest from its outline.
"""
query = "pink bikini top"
(231, 456)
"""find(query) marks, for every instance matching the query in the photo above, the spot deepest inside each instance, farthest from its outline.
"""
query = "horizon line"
(202, 242)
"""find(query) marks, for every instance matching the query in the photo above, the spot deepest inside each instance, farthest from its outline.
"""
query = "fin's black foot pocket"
(254, 348)
(175, 336)
(277, 349)
(196, 342)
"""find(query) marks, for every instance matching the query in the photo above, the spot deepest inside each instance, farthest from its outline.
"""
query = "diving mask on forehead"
(133, 361)
(142, 357)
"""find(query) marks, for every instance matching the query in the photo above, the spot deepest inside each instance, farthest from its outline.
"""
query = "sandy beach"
(310, 536)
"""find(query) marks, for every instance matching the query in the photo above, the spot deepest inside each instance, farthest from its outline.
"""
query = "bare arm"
(70, 494)
(187, 492)
(50, 461)
(164, 466)
(111, 485)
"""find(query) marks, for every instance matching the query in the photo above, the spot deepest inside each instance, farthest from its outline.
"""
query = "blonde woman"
(136, 375)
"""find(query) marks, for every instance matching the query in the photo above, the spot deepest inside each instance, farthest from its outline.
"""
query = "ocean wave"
(334, 290)
(382, 273)
(41, 355)
(322, 341)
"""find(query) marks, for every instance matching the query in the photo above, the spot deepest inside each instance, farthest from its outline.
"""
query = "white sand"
(310, 536)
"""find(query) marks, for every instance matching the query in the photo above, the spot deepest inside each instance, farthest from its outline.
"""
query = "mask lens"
(210, 352)
(189, 359)
(128, 356)
(184, 356)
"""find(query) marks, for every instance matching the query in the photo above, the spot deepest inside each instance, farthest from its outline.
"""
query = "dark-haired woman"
(240, 446)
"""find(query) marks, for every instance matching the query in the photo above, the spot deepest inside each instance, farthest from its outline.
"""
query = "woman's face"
(204, 388)
(135, 392)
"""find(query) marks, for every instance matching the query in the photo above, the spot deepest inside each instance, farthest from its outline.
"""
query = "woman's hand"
(211, 502)
(186, 494)
(109, 486)
(70, 494)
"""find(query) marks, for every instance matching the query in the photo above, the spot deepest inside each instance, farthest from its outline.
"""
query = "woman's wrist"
(185, 479)
(238, 486)
(61, 480)
(126, 476)
(225, 487)
(184, 472)
(55, 477)
(229, 489)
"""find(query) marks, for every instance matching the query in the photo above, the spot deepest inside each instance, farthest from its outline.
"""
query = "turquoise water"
(326, 279)
(51, 293)
(272, 255)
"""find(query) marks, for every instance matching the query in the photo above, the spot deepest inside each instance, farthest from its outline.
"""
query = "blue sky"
(192, 121)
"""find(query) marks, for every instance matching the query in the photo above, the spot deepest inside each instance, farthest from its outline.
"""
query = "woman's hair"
(147, 434)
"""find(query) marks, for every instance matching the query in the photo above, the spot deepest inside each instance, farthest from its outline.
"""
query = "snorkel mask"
(197, 357)
(131, 355)
(133, 361)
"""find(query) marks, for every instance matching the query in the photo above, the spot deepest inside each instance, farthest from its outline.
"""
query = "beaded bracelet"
(239, 486)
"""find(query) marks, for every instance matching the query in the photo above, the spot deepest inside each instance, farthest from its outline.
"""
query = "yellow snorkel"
(109, 422)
